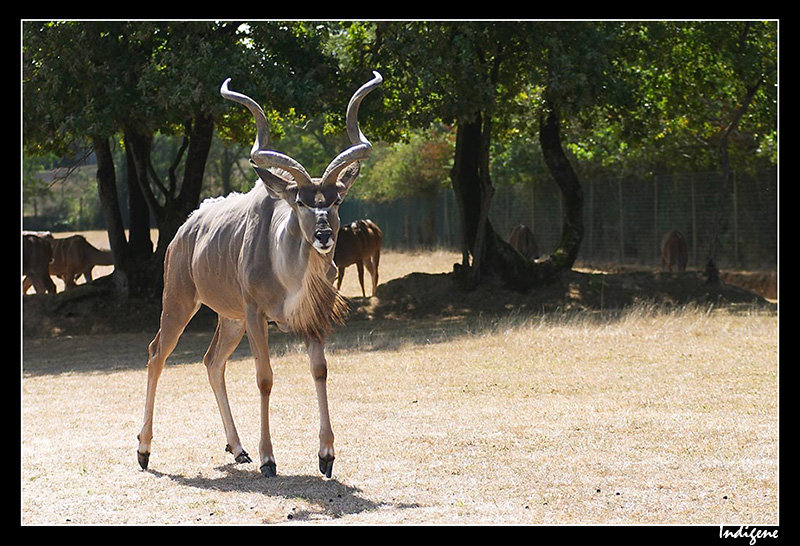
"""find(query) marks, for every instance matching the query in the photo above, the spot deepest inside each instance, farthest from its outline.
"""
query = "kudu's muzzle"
(323, 233)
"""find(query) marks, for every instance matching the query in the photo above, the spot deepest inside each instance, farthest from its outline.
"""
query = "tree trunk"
(139, 215)
(174, 210)
(711, 269)
(491, 254)
(484, 236)
(142, 274)
(109, 203)
(201, 136)
(473, 193)
(571, 192)
(464, 178)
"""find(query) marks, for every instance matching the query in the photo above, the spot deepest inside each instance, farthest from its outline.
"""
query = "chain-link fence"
(624, 218)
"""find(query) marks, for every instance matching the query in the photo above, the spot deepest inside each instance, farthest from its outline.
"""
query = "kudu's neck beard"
(320, 304)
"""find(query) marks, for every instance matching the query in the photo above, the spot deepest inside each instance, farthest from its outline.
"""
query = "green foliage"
(687, 82)
(634, 96)
(57, 197)
(419, 166)
(34, 187)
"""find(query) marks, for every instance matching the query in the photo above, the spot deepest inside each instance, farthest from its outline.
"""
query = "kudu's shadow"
(329, 496)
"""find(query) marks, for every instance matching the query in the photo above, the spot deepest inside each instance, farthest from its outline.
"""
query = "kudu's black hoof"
(268, 469)
(326, 466)
(242, 457)
(143, 458)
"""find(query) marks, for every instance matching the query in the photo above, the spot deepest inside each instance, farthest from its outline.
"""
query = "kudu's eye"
(300, 204)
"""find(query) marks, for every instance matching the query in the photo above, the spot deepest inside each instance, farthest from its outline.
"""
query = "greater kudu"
(261, 256)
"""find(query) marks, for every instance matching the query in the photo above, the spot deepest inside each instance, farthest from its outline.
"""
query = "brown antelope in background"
(359, 243)
(69, 258)
(74, 256)
(674, 251)
(36, 257)
(257, 257)
(523, 241)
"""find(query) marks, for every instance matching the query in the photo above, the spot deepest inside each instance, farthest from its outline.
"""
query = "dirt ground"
(609, 397)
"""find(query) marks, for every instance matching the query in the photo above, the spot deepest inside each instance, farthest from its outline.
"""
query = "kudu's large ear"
(278, 187)
(347, 177)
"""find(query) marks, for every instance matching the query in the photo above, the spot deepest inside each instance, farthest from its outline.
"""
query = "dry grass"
(647, 417)
(642, 417)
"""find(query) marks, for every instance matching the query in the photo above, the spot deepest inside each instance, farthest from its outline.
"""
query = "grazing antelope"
(261, 256)
(674, 252)
(359, 243)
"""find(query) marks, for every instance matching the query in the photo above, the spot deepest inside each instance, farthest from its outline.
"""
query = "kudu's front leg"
(257, 337)
(319, 371)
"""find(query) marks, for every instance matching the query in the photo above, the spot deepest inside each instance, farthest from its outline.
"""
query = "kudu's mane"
(320, 304)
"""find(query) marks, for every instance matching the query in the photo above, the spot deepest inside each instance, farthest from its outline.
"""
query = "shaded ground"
(94, 308)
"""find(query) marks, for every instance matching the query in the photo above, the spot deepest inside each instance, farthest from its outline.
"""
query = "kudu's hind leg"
(371, 264)
(319, 371)
(376, 261)
(360, 268)
(226, 337)
(172, 325)
(340, 276)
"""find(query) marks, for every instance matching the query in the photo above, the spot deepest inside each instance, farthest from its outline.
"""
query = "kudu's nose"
(324, 236)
